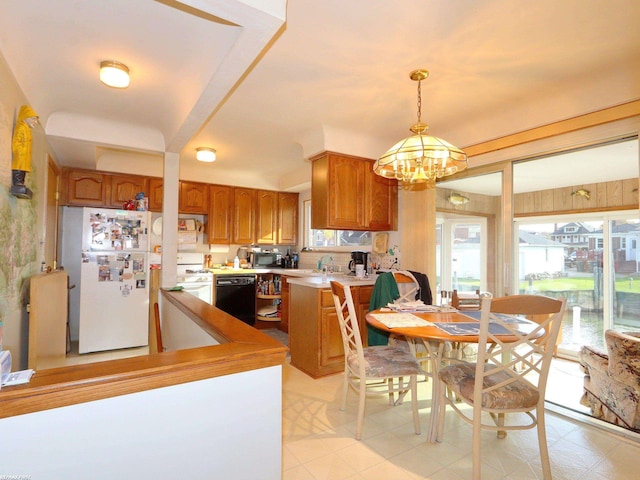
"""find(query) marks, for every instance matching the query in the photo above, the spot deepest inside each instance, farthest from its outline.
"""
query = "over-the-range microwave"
(264, 260)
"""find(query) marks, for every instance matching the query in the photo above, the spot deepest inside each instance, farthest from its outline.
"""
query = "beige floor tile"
(319, 442)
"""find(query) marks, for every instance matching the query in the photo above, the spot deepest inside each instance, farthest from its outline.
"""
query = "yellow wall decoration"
(21, 148)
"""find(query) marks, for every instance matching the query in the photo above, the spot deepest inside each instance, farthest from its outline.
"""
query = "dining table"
(436, 327)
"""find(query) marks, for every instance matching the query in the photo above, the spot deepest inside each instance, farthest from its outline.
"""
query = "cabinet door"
(266, 217)
(337, 192)
(86, 188)
(125, 188)
(220, 214)
(155, 194)
(346, 187)
(287, 232)
(244, 215)
(331, 349)
(381, 201)
(194, 198)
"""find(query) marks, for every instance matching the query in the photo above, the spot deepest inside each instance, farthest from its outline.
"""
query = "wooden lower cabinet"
(284, 305)
(315, 342)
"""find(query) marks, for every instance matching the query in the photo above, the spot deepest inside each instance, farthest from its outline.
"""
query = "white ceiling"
(268, 94)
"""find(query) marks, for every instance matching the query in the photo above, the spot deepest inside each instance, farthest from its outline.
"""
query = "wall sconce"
(205, 154)
(114, 74)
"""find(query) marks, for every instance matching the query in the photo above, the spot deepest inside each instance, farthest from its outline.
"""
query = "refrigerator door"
(107, 230)
(114, 301)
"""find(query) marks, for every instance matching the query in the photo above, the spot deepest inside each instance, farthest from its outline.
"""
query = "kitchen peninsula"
(146, 411)
(315, 342)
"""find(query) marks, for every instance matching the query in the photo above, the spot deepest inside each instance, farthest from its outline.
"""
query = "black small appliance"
(266, 260)
(358, 258)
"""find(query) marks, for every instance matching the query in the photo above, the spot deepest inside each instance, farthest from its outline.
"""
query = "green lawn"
(623, 284)
(580, 283)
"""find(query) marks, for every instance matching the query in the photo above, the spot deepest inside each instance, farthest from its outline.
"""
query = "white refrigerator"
(114, 273)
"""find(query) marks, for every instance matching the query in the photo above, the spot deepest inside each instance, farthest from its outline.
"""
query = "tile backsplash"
(310, 259)
(390, 260)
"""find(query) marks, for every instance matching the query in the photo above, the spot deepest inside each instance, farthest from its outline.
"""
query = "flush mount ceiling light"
(420, 158)
(114, 74)
(205, 154)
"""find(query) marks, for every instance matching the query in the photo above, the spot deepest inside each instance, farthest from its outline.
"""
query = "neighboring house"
(574, 235)
(539, 255)
(624, 246)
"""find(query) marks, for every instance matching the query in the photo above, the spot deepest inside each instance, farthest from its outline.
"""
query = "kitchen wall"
(21, 222)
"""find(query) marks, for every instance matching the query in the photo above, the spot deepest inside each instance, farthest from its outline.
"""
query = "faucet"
(324, 260)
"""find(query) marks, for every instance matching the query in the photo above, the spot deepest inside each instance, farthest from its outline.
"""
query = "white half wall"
(210, 429)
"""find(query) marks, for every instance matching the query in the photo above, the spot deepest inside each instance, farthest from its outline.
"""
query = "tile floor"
(319, 443)
(74, 358)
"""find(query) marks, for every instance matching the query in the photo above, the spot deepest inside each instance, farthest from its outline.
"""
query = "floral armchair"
(612, 382)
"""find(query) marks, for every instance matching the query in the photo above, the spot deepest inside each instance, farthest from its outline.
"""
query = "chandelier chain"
(419, 101)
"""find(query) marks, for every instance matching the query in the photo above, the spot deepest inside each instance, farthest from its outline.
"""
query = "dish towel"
(384, 291)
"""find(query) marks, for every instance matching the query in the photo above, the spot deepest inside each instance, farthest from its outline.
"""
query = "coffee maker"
(358, 258)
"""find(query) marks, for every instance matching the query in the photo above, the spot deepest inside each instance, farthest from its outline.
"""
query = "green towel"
(385, 291)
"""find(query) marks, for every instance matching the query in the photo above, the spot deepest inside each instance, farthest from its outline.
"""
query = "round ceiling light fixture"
(206, 154)
(114, 74)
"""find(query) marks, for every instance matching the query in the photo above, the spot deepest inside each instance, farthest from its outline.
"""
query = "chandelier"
(420, 158)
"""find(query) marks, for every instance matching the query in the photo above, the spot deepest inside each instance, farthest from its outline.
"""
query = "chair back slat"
(407, 287)
(349, 328)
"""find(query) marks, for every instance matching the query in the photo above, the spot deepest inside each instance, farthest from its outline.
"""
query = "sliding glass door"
(461, 254)
(593, 262)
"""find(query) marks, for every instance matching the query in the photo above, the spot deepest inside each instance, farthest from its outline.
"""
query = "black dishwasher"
(236, 295)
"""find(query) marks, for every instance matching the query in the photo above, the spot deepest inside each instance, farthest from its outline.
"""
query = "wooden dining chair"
(366, 368)
(466, 300)
(493, 385)
(408, 289)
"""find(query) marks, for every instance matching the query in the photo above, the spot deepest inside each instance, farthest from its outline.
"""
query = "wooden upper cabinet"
(220, 205)
(339, 199)
(194, 198)
(287, 229)
(155, 194)
(381, 198)
(266, 217)
(244, 215)
(86, 188)
(125, 188)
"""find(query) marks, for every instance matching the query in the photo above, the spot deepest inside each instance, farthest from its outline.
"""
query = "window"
(332, 238)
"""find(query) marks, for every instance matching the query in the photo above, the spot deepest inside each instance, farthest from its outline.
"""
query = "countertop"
(320, 281)
(304, 277)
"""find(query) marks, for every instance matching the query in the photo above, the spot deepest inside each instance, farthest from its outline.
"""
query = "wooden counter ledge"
(242, 348)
